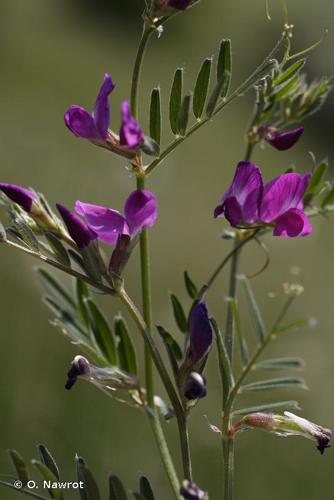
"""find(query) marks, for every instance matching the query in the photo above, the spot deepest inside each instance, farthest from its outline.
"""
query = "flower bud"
(78, 229)
(195, 387)
(23, 197)
(106, 377)
(200, 334)
(282, 140)
(288, 425)
(121, 254)
(79, 368)
(190, 491)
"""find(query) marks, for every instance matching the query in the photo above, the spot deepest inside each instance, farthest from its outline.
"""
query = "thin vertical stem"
(147, 32)
(147, 301)
(228, 440)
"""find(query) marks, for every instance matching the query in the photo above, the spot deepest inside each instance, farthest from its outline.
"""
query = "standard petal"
(283, 193)
(108, 224)
(78, 229)
(140, 210)
(241, 201)
(293, 223)
(101, 109)
(130, 133)
(284, 140)
(81, 123)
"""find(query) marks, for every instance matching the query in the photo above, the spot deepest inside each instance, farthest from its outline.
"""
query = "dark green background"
(54, 53)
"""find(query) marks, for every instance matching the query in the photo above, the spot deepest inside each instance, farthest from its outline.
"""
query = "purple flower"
(195, 387)
(240, 203)
(92, 125)
(180, 4)
(140, 212)
(78, 229)
(95, 126)
(200, 333)
(130, 133)
(282, 205)
(19, 195)
(282, 140)
(279, 203)
(190, 491)
(80, 367)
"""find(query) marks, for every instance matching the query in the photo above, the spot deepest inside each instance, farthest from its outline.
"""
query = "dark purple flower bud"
(121, 254)
(200, 333)
(194, 387)
(180, 4)
(190, 491)
(130, 133)
(78, 229)
(79, 368)
(19, 195)
(282, 140)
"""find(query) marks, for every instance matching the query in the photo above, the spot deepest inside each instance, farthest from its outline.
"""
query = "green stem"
(228, 440)
(147, 301)
(147, 32)
(22, 490)
(172, 394)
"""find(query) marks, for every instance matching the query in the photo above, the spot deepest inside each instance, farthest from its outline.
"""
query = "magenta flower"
(240, 203)
(200, 334)
(19, 195)
(140, 212)
(281, 140)
(279, 203)
(95, 126)
(77, 228)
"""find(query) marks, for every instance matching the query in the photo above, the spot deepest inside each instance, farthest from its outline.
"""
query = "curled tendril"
(284, 9)
(267, 261)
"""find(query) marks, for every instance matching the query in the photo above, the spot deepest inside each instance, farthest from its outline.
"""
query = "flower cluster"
(95, 126)
(279, 203)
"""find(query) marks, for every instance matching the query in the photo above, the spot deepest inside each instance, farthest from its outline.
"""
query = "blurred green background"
(54, 54)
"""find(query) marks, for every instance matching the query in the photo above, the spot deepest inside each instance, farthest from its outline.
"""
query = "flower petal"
(180, 4)
(130, 133)
(283, 193)
(78, 229)
(293, 223)
(108, 224)
(101, 109)
(19, 195)
(81, 123)
(241, 201)
(284, 140)
(200, 333)
(140, 210)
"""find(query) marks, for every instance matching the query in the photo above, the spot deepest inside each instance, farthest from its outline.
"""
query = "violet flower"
(200, 334)
(140, 212)
(278, 203)
(95, 126)
(281, 140)
(77, 228)
(190, 491)
(23, 197)
(162, 5)
(195, 387)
